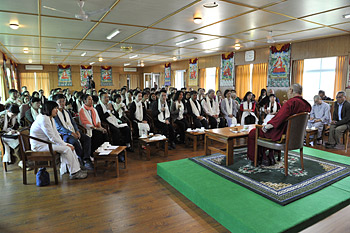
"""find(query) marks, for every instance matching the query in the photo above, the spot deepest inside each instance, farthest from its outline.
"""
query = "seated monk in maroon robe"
(277, 126)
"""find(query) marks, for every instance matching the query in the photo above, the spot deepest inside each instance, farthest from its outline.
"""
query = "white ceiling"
(152, 28)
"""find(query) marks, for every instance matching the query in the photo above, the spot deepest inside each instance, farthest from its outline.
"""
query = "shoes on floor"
(121, 158)
(88, 165)
(172, 145)
(130, 149)
(330, 146)
(78, 175)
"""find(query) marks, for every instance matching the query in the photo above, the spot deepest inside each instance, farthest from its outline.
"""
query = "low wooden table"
(310, 132)
(227, 137)
(111, 157)
(195, 138)
(147, 143)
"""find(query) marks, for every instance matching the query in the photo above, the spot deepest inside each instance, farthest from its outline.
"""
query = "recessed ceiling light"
(186, 41)
(100, 59)
(30, 61)
(14, 26)
(134, 56)
(197, 20)
(142, 64)
(210, 5)
(346, 16)
(237, 46)
(91, 63)
(126, 64)
(113, 34)
(25, 50)
(174, 58)
(83, 54)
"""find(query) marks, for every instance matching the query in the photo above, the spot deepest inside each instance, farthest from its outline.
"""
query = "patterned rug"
(270, 181)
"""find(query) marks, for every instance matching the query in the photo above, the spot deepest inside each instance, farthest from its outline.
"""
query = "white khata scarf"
(210, 109)
(6, 122)
(228, 103)
(139, 110)
(181, 110)
(245, 105)
(196, 108)
(34, 113)
(274, 109)
(78, 105)
(119, 108)
(162, 116)
(111, 119)
(66, 124)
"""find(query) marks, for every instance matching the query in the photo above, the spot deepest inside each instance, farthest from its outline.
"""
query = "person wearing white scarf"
(161, 116)
(138, 115)
(9, 124)
(271, 108)
(211, 107)
(195, 110)
(229, 108)
(178, 111)
(34, 110)
(128, 100)
(248, 108)
(145, 100)
(69, 130)
(121, 133)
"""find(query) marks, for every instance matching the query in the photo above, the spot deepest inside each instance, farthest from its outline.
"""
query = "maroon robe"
(293, 106)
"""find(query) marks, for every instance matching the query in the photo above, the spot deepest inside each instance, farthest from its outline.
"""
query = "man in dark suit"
(196, 111)
(340, 121)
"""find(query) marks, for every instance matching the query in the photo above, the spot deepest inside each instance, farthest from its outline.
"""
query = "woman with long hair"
(248, 108)
(178, 110)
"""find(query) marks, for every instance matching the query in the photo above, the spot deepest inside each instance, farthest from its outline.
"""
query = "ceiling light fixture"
(14, 26)
(83, 54)
(197, 20)
(174, 58)
(237, 46)
(100, 59)
(126, 64)
(210, 5)
(142, 64)
(91, 63)
(134, 56)
(186, 41)
(346, 16)
(25, 50)
(113, 34)
(30, 61)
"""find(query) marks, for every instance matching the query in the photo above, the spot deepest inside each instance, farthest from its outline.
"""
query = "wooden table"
(227, 137)
(310, 132)
(146, 142)
(195, 138)
(111, 157)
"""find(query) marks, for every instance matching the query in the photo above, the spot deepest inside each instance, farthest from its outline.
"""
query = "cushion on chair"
(266, 142)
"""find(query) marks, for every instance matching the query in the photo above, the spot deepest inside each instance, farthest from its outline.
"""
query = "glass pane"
(311, 85)
(329, 63)
(327, 83)
(210, 74)
(312, 64)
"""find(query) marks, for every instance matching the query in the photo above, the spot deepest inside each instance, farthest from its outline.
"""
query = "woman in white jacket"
(44, 127)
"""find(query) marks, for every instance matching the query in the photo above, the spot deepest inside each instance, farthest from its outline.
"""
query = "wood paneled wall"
(118, 75)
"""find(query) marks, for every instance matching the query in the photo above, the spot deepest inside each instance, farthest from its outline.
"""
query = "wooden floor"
(137, 201)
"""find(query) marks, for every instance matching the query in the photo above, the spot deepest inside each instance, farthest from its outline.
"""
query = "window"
(210, 78)
(179, 79)
(36, 81)
(319, 74)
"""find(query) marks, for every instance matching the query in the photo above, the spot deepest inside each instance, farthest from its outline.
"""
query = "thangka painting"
(167, 75)
(227, 77)
(106, 76)
(279, 66)
(193, 72)
(85, 71)
(64, 75)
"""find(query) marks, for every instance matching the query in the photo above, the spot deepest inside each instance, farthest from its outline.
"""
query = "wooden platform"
(137, 201)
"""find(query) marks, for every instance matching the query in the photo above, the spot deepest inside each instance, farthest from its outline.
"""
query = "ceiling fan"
(83, 15)
(271, 40)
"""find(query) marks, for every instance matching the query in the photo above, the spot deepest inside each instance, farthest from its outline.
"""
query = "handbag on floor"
(42, 177)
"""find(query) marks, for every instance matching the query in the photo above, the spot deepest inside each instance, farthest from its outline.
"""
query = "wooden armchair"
(80, 127)
(294, 139)
(34, 156)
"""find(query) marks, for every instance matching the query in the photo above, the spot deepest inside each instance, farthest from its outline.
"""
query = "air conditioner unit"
(34, 67)
(130, 69)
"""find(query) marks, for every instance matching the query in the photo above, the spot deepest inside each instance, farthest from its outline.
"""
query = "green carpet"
(241, 210)
(270, 181)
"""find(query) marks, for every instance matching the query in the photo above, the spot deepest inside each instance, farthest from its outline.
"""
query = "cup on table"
(150, 134)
